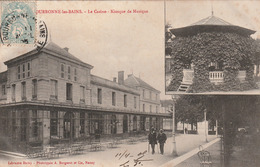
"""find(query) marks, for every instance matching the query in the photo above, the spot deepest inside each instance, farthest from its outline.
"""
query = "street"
(136, 154)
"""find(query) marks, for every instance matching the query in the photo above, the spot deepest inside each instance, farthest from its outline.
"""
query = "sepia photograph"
(129, 83)
(212, 48)
(212, 73)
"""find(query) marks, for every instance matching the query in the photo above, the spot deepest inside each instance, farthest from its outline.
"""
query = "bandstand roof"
(209, 24)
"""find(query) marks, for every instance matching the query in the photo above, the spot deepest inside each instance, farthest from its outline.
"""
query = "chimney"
(67, 49)
(114, 79)
(121, 77)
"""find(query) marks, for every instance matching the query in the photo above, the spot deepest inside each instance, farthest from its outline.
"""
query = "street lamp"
(174, 151)
(205, 119)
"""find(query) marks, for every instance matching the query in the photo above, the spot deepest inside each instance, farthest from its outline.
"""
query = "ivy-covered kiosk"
(212, 55)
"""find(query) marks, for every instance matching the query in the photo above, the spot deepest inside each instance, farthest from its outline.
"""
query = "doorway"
(134, 123)
(113, 124)
(68, 126)
(125, 124)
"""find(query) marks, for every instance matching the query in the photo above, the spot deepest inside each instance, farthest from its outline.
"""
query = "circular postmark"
(18, 22)
(42, 35)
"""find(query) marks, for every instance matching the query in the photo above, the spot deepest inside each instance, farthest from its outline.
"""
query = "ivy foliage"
(235, 51)
(168, 39)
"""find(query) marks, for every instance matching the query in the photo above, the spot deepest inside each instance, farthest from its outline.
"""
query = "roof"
(54, 49)
(209, 24)
(57, 49)
(211, 20)
(134, 81)
(113, 85)
(3, 77)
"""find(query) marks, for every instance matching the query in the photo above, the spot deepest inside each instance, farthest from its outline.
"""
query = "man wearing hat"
(152, 139)
(161, 140)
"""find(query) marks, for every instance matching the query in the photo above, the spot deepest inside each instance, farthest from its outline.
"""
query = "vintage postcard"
(101, 83)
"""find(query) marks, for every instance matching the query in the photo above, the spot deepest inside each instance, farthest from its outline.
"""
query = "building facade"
(149, 101)
(50, 95)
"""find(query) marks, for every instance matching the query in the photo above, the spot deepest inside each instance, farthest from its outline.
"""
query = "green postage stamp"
(18, 22)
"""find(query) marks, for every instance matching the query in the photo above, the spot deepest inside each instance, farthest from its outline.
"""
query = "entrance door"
(125, 124)
(24, 125)
(68, 126)
(142, 123)
(134, 123)
(113, 124)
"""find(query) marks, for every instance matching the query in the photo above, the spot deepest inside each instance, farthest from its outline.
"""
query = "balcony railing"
(216, 76)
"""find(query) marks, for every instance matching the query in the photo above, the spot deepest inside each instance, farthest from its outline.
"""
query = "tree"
(189, 109)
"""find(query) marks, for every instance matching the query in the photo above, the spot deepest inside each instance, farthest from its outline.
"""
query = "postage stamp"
(18, 22)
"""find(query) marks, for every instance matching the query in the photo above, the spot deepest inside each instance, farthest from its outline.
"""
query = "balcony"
(215, 77)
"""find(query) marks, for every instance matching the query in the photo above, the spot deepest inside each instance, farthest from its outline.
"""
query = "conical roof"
(212, 20)
(209, 24)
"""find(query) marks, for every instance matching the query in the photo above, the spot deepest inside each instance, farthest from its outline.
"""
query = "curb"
(182, 158)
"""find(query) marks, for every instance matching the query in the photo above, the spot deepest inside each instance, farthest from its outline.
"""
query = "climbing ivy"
(235, 51)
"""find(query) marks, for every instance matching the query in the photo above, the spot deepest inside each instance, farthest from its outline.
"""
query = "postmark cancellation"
(18, 22)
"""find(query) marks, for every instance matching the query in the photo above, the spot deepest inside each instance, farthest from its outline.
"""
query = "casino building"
(50, 95)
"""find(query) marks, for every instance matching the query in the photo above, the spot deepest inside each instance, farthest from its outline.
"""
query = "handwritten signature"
(138, 159)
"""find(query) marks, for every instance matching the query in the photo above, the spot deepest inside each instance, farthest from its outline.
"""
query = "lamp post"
(205, 119)
(216, 127)
(174, 151)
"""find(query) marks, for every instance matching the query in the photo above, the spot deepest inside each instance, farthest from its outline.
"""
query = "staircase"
(183, 87)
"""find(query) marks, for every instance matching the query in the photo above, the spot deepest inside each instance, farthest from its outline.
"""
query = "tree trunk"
(196, 126)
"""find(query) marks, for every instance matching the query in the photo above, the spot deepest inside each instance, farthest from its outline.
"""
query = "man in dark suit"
(161, 139)
(152, 139)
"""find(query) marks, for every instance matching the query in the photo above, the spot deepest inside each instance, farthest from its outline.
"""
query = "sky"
(111, 42)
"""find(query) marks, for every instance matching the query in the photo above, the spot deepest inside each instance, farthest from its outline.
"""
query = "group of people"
(153, 138)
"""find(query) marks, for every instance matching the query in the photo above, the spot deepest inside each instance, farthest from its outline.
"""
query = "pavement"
(191, 158)
(136, 154)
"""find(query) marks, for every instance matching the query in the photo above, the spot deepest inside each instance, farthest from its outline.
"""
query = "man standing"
(161, 139)
(152, 139)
